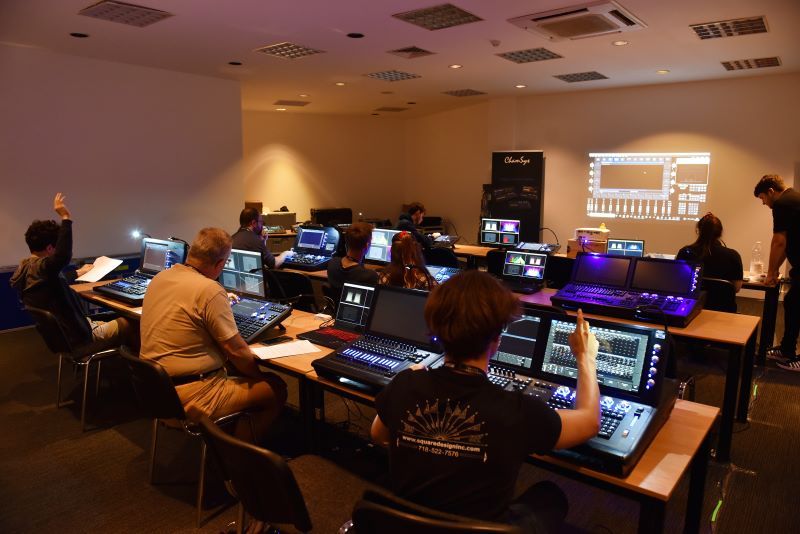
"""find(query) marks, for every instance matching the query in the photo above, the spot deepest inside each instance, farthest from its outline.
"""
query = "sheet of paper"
(280, 350)
(101, 267)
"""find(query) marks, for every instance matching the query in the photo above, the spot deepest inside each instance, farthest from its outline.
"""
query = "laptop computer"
(243, 275)
(625, 247)
(442, 274)
(157, 255)
(523, 272)
(351, 318)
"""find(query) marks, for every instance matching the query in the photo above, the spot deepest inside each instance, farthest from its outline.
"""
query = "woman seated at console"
(407, 266)
(456, 441)
(718, 260)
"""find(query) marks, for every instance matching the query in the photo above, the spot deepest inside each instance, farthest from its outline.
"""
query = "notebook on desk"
(351, 318)
(157, 255)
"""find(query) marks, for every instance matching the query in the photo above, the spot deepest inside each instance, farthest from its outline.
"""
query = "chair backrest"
(50, 329)
(443, 257)
(262, 479)
(334, 294)
(294, 286)
(720, 294)
(494, 261)
(380, 512)
(153, 387)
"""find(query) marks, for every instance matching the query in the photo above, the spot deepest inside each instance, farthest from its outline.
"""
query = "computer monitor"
(625, 247)
(380, 249)
(285, 219)
(354, 305)
(524, 266)
(319, 241)
(601, 269)
(518, 343)
(160, 254)
(331, 216)
(499, 232)
(243, 274)
(672, 277)
(399, 314)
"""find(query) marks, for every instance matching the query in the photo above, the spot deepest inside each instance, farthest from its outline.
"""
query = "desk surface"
(471, 250)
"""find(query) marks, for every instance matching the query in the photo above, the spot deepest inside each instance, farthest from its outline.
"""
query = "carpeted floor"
(55, 478)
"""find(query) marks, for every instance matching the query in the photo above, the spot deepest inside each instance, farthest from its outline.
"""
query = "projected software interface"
(524, 265)
(668, 187)
(626, 247)
(243, 273)
(499, 232)
(381, 247)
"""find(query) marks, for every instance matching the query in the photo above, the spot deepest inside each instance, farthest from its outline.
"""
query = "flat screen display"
(601, 269)
(625, 247)
(380, 249)
(503, 232)
(524, 265)
(400, 314)
(518, 343)
(159, 255)
(354, 306)
(674, 277)
(243, 273)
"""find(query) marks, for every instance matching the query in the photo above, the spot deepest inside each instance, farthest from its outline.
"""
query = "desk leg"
(729, 404)
(307, 415)
(747, 379)
(697, 487)
(651, 516)
(768, 319)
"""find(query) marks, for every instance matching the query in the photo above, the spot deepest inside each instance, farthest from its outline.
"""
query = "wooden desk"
(682, 444)
(732, 332)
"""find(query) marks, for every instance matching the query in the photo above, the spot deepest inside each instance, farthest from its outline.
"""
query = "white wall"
(306, 161)
(129, 146)
(750, 126)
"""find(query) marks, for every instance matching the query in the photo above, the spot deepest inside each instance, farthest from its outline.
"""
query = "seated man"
(251, 236)
(408, 221)
(456, 441)
(41, 283)
(188, 327)
(351, 268)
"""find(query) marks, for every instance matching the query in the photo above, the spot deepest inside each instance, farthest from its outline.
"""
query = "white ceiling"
(204, 35)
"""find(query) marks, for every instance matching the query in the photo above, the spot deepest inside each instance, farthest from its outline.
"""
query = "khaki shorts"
(105, 335)
(220, 394)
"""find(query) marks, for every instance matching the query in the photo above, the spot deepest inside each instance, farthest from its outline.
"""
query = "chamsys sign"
(517, 167)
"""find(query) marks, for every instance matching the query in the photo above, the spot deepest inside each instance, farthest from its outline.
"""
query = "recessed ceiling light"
(79, 35)
(235, 63)
(455, 66)
(280, 109)
(662, 71)
(303, 95)
(340, 84)
(520, 86)
(355, 35)
(620, 43)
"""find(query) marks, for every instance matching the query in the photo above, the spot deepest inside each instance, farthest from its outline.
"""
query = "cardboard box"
(589, 245)
(595, 234)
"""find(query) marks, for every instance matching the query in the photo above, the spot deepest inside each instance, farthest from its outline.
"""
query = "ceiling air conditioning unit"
(580, 21)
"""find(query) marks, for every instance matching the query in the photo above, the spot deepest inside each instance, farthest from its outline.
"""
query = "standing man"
(188, 327)
(410, 220)
(251, 236)
(785, 205)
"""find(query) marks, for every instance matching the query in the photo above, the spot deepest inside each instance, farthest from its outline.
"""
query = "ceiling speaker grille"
(760, 63)
(438, 17)
(411, 52)
(463, 92)
(529, 55)
(730, 28)
(129, 14)
(392, 75)
(581, 77)
(296, 103)
(391, 109)
(288, 50)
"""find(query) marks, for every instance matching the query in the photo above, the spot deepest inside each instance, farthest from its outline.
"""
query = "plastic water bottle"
(756, 263)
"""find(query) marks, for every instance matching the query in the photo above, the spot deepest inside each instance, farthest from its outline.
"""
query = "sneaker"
(775, 353)
(791, 365)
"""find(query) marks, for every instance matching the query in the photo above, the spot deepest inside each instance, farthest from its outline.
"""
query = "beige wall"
(751, 126)
(306, 161)
(129, 146)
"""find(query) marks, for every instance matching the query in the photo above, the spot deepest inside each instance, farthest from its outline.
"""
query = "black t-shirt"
(722, 262)
(246, 239)
(458, 441)
(355, 274)
(786, 218)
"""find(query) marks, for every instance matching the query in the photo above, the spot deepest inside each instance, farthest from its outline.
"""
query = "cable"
(552, 232)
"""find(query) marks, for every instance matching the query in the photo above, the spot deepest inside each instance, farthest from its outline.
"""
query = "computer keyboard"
(253, 317)
(307, 262)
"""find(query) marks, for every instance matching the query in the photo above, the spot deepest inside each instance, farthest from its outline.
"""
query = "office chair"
(292, 288)
(558, 271)
(333, 294)
(443, 257)
(720, 294)
(382, 513)
(495, 259)
(157, 396)
(274, 491)
(82, 357)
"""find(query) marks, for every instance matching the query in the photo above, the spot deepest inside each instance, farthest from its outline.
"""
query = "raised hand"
(60, 207)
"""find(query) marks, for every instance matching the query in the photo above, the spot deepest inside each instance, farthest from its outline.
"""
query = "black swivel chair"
(382, 513)
(275, 491)
(157, 396)
(443, 257)
(292, 288)
(495, 259)
(334, 294)
(58, 342)
(720, 294)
